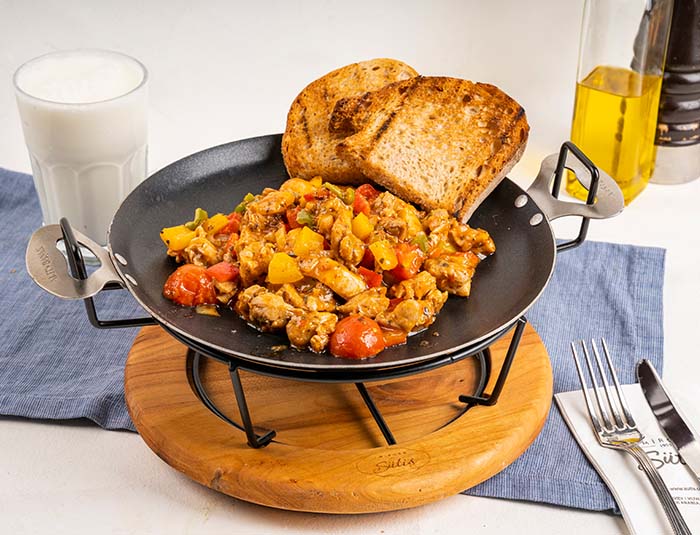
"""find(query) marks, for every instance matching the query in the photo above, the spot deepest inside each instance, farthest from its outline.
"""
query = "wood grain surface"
(328, 455)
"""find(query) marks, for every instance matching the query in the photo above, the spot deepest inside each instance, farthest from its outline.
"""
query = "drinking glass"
(84, 117)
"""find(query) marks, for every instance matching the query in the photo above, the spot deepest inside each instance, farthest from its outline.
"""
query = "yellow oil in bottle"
(614, 125)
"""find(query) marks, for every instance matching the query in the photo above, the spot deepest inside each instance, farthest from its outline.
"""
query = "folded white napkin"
(633, 493)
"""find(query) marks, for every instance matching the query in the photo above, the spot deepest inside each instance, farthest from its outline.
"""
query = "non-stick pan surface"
(505, 286)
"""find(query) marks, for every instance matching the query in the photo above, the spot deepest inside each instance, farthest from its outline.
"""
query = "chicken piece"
(409, 315)
(414, 288)
(311, 328)
(200, 251)
(476, 240)
(369, 303)
(242, 306)
(397, 217)
(290, 294)
(438, 221)
(333, 274)
(437, 299)
(253, 261)
(453, 273)
(264, 309)
(256, 227)
(319, 298)
(271, 202)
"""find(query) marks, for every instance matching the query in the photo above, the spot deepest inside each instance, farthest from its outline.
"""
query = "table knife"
(672, 423)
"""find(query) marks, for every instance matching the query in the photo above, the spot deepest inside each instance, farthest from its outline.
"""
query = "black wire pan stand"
(197, 351)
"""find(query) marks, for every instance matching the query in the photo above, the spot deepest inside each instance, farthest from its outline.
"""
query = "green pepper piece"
(338, 192)
(421, 240)
(349, 198)
(200, 216)
(305, 218)
(244, 203)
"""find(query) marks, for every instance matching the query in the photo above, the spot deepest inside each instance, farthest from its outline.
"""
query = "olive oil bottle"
(620, 68)
(614, 124)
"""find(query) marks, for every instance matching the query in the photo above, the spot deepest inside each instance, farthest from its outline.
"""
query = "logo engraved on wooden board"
(393, 463)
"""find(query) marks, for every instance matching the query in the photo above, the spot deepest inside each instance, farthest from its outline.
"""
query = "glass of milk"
(84, 116)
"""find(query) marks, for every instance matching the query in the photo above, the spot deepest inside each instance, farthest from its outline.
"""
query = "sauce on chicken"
(354, 270)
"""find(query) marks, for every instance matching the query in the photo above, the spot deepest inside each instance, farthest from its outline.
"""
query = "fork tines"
(613, 404)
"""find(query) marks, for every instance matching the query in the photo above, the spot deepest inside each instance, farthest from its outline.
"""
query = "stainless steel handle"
(667, 502)
(47, 266)
(609, 200)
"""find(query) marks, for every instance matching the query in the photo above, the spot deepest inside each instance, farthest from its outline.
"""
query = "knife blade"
(676, 429)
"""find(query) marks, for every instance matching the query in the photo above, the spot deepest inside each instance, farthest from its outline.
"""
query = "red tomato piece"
(367, 259)
(357, 337)
(292, 217)
(393, 302)
(233, 225)
(372, 278)
(368, 192)
(394, 337)
(410, 259)
(223, 271)
(190, 285)
(360, 204)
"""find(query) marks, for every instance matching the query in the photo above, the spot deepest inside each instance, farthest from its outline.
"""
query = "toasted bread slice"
(439, 142)
(308, 148)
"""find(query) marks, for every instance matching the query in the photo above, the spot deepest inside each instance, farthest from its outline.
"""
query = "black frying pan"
(505, 286)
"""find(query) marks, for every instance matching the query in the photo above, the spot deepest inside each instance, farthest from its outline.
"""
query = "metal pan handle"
(47, 266)
(605, 198)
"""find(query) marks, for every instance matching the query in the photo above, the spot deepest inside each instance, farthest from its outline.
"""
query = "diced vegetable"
(421, 240)
(360, 204)
(442, 248)
(384, 255)
(349, 197)
(244, 203)
(215, 223)
(357, 337)
(200, 216)
(413, 224)
(367, 259)
(190, 285)
(223, 271)
(372, 278)
(336, 190)
(291, 215)
(410, 259)
(233, 225)
(283, 268)
(361, 226)
(305, 218)
(368, 192)
(393, 337)
(177, 238)
(308, 242)
(207, 310)
(316, 181)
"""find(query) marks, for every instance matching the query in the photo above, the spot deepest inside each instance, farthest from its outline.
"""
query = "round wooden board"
(328, 455)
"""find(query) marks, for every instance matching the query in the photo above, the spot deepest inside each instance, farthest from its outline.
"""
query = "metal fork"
(618, 429)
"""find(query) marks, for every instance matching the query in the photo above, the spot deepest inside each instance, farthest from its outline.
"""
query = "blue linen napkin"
(55, 365)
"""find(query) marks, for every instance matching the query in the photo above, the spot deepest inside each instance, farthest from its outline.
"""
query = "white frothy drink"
(84, 116)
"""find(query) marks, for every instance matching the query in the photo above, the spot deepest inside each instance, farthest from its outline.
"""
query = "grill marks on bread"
(308, 146)
(439, 142)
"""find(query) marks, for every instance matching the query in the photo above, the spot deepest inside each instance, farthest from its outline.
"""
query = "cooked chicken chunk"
(476, 240)
(453, 272)
(333, 274)
(409, 315)
(253, 262)
(261, 307)
(271, 202)
(311, 328)
(369, 303)
(414, 288)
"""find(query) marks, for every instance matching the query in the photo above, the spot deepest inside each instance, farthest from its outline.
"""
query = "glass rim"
(104, 51)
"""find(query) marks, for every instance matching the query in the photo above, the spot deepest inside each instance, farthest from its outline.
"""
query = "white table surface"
(227, 70)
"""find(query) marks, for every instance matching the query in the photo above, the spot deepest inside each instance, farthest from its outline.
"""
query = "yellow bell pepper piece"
(362, 227)
(283, 268)
(316, 182)
(413, 224)
(384, 255)
(177, 238)
(307, 242)
(215, 223)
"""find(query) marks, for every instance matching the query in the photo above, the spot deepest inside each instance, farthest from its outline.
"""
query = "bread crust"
(308, 147)
(437, 141)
